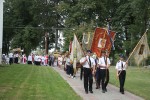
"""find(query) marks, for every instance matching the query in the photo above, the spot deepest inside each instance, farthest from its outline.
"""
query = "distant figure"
(3, 58)
(67, 64)
(10, 55)
(30, 59)
(16, 55)
(43, 60)
(46, 60)
(60, 60)
(7, 59)
(24, 59)
(38, 58)
(51, 60)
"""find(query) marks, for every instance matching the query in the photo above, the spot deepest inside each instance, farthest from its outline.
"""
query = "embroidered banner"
(102, 41)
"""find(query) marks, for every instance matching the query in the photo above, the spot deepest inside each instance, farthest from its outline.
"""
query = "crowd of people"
(91, 67)
(17, 58)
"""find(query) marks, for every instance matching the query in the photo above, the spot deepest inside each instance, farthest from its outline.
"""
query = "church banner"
(102, 40)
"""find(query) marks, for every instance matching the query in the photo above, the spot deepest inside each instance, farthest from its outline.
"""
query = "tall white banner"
(1, 29)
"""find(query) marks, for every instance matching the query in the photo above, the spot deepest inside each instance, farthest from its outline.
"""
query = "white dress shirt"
(86, 64)
(101, 61)
(119, 65)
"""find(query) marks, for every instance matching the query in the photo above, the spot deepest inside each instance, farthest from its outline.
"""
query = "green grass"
(137, 81)
(24, 82)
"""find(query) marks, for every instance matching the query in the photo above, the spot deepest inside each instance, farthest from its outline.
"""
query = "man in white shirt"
(121, 72)
(103, 64)
(10, 58)
(88, 64)
(30, 59)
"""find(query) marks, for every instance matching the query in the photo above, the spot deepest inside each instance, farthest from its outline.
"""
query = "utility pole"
(46, 42)
(1, 29)
(56, 36)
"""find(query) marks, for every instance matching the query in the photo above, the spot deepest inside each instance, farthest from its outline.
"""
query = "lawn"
(137, 81)
(24, 82)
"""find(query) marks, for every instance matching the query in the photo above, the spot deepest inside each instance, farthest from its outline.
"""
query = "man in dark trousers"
(88, 64)
(103, 65)
(121, 72)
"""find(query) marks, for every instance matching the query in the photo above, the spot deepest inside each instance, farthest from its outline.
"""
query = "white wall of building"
(1, 28)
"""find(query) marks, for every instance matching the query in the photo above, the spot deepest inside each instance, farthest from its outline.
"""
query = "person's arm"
(100, 63)
(83, 61)
(93, 69)
(108, 63)
(102, 66)
(117, 75)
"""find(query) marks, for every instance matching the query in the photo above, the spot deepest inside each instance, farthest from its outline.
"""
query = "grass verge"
(137, 81)
(24, 82)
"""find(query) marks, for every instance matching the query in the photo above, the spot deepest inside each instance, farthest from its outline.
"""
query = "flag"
(87, 41)
(101, 41)
(142, 50)
(111, 40)
(76, 52)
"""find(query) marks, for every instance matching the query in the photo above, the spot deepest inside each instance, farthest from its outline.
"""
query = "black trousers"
(122, 77)
(16, 60)
(29, 62)
(88, 79)
(71, 71)
(101, 78)
(50, 62)
(67, 69)
(98, 77)
(10, 61)
(81, 72)
(106, 78)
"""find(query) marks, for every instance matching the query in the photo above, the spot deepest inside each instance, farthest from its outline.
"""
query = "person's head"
(121, 56)
(94, 55)
(89, 52)
(71, 62)
(103, 52)
(68, 54)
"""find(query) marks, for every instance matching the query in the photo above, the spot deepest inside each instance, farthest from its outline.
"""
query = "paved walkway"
(112, 94)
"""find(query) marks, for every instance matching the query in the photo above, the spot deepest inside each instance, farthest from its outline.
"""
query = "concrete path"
(112, 94)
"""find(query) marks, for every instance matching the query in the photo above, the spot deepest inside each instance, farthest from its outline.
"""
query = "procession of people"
(91, 67)
(93, 64)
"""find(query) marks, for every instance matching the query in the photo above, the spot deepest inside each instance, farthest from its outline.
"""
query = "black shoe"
(122, 92)
(103, 91)
(91, 91)
(97, 87)
(86, 92)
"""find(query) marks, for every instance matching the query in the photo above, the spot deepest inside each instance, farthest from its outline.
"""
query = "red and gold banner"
(102, 41)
